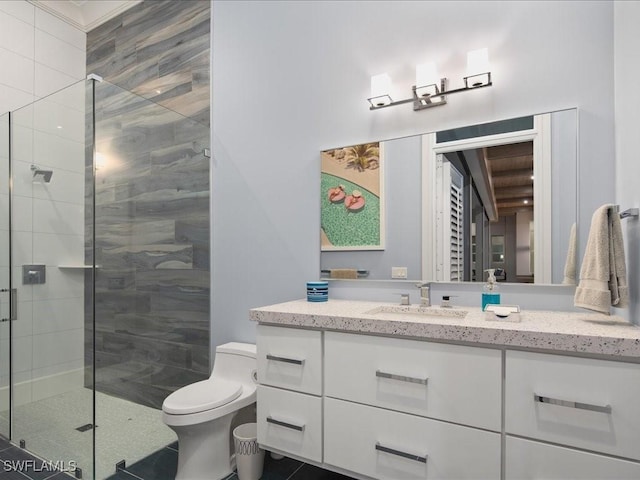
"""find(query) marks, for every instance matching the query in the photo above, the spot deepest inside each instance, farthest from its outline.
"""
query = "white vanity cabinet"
(289, 405)
(455, 383)
(290, 358)
(390, 445)
(531, 460)
(411, 380)
(397, 395)
(380, 407)
(576, 402)
(290, 421)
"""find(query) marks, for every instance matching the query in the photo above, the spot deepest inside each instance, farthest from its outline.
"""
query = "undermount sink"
(416, 310)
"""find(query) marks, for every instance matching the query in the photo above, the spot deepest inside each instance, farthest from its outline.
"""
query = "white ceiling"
(83, 14)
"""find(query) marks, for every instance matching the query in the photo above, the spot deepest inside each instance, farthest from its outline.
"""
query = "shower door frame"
(12, 302)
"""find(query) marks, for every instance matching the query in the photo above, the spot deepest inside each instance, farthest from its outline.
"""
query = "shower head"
(41, 174)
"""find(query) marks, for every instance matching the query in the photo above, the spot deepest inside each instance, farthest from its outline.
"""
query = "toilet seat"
(202, 396)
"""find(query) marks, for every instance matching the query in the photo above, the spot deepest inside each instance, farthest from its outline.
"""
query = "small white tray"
(502, 313)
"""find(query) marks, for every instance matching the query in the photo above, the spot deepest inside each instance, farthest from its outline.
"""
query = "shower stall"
(104, 274)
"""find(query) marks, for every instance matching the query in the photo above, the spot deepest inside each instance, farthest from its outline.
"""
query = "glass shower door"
(52, 413)
(152, 285)
(5, 327)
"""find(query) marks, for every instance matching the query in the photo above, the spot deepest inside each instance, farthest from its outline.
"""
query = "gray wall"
(152, 294)
(160, 50)
(292, 78)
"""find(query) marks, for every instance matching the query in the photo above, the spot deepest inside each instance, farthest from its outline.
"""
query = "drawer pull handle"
(295, 361)
(566, 403)
(298, 428)
(399, 453)
(402, 378)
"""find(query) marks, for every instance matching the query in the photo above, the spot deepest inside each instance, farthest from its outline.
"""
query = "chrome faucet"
(425, 300)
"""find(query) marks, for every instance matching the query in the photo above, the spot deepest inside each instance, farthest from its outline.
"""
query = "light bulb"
(426, 79)
(380, 88)
(478, 68)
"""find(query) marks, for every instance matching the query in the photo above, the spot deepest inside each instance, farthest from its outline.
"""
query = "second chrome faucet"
(425, 300)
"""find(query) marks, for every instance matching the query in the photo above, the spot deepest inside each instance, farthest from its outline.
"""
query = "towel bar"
(327, 273)
(630, 212)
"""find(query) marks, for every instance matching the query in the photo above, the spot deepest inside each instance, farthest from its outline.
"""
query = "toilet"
(202, 414)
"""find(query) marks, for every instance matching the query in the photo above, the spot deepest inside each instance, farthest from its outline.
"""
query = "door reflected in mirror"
(500, 195)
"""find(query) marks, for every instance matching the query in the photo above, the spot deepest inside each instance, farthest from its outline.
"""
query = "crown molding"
(84, 16)
(95, 15)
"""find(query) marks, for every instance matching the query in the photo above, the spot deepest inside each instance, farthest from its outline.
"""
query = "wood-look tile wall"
(152, 200)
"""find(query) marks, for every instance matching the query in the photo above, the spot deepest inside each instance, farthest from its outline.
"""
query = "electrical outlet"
(398, 272)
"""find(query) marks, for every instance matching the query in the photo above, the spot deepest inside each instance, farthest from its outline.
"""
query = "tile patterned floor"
(162, 466)
(16, 464)
(126, 430)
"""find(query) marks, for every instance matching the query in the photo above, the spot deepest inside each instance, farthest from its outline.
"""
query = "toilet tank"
(235, 361)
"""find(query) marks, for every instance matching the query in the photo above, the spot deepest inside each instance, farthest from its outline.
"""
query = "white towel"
(603, 275)
(570, 263)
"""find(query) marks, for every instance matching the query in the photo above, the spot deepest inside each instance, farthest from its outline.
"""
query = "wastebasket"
(249, 457)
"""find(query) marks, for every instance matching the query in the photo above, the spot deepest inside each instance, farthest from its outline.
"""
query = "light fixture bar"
(376, 106)
(472, 82)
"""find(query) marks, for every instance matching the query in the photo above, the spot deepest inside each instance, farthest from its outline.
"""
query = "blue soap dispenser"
(490, 294)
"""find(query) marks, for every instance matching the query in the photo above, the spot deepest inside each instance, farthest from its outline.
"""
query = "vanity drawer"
(581, 402)
(449, 382)
(376, 442)
(291, 422)
(290, 358)
(526, 459)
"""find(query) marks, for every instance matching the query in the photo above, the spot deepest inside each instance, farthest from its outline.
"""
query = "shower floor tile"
(126, 431)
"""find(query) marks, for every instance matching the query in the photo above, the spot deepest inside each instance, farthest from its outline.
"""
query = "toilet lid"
(202, 396)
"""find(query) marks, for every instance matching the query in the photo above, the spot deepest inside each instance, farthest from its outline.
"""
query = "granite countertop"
(586, 333)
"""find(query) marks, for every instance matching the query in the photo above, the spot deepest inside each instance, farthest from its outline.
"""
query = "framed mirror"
(497, 195)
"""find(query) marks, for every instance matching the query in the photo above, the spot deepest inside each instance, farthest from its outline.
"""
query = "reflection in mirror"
(505, 199)
(499, 195)
(352, 206)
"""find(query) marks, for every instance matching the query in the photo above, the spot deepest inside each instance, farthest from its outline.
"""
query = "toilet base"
(204, 450)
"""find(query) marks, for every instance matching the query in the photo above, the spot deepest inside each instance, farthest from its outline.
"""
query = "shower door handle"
(14, 304)
(13, 307)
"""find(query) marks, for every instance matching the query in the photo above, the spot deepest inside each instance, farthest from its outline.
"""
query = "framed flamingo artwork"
(352, 200)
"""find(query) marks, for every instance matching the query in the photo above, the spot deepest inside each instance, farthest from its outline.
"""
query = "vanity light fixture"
(380, 88)
(430, 90)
